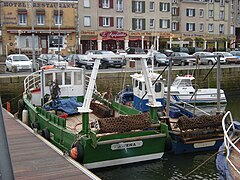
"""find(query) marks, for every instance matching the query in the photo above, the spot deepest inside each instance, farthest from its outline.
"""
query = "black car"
(80, 60)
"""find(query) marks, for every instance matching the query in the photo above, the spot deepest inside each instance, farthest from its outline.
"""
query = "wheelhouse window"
(77, 78)
(48, 79)
(59, 78)
(158, 87)
(140, 85)
(68, 78)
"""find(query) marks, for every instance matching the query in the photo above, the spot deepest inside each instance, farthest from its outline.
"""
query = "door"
(43, 44)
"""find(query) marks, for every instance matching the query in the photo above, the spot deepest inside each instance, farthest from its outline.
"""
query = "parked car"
(80, 60)
(17, 62)
(160, 59)
(119, 51)
(48, 59)
(226, 57)
(108, 58)
(205, 57)
(135, 50)
(236, 54)
(182, 58)
(167, 52)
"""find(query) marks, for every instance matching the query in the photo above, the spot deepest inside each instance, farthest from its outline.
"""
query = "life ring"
(188, 75)
(47, 67)
(77, 152)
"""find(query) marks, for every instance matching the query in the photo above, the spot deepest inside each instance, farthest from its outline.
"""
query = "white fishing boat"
(182, 90)
(228, 157)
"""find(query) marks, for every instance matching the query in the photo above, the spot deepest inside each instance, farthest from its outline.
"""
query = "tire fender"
(46, 134)
(21, 106)
(77, 152)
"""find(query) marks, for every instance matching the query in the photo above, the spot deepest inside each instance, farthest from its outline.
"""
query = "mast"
(33, 39)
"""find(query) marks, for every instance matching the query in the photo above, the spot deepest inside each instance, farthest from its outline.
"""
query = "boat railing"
(185, 104)
(32, 81)
(229, 140)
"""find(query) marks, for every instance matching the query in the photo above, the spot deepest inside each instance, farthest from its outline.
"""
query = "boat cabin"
(56, 82)
(140, 98)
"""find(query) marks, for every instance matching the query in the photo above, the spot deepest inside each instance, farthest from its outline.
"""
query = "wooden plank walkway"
(32, 159)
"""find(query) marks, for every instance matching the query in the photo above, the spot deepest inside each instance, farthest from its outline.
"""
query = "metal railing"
(32, 81)
(229, 138)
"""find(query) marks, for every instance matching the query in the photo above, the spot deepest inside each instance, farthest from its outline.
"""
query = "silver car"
(206, 58)
(17, 62)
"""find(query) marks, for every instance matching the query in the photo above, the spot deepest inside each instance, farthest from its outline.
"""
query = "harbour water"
(172, 167)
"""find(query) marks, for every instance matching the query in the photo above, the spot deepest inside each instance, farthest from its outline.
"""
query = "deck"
(33, 159)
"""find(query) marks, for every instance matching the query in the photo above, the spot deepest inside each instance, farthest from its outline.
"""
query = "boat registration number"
(204, 144)
(126, 145)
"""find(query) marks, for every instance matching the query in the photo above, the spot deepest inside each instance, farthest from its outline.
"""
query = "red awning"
(135, 39)
(93, 39)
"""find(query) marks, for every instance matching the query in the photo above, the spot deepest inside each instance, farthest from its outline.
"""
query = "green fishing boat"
(62, 104)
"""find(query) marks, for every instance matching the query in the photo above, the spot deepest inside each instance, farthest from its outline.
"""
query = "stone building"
(74, 26)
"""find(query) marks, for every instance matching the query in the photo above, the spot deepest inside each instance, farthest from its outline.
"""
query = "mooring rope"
(196, 168)
(12, 99)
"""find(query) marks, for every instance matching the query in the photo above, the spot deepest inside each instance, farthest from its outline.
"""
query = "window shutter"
(177, 11)
(111, 22)
(143, 7)
(187, 26)
(193, 12)
(193, 27)
(100, 21)
(144, 24)
(111, 4)
(177, 26)
(160, 23)
(161, 6)
(168, 7)
(100, 3)
(168, 23)
(133, 6)
(187, 13)
(133, 24)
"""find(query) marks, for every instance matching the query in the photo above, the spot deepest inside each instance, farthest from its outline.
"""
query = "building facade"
(74, 26)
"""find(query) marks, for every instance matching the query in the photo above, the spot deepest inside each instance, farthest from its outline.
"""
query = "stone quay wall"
(12, 86)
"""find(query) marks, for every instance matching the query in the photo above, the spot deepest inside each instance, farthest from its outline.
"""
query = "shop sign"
(88, 33)
(113, 34)
(193, 35)
(9, 18)
(140, 34)
(43, 4)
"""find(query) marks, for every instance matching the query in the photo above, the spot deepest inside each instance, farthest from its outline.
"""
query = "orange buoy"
(74, 153)
(47, 67)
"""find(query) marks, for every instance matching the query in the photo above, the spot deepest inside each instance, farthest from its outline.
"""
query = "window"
(190, 26)
(138, 6)
(232, 17)
(201, 13)
(86, 3)
(105, 3)
(119, 5)
(164, 23)
(151, 6)
(40, 19)
(87, 21)
(77, 78)
(222, 2)
(174, 11)
(232, 29)
(54, 41)
(210, 27)
(106, 21)
(221, 15)
(174, 1)
(201, 27)
(22, 19)
(139, 24)
(158, 87)
(221, 28)
(210, 13)
(174, 26)
(58, 20)
(151, 23)
(164, 6)
(211, 1)
(190, 12)
(119, 22)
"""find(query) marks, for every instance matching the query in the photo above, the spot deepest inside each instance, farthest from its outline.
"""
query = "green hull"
(101, 150)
